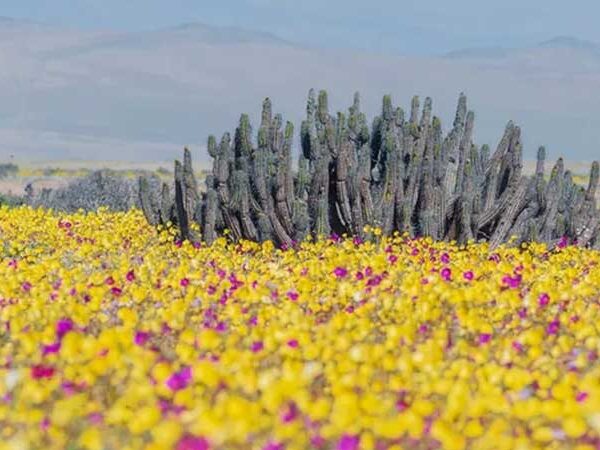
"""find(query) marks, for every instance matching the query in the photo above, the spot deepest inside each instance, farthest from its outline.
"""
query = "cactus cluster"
(399, 174)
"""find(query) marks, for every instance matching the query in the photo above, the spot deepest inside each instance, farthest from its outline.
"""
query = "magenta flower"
(553, 327)
(141, 337)
(290, 414)
(192, 443)
(543, 299)
(484, 338)
(392, 259)
(273, 446)
(130, 276)
(422, 329)
(581, 396)
(317, 441)
(564, 241)
(26, 286)
(340, 272)
(402, 405)
(517, 346)
(414, 252)
(446, 274)
(292, 295)
(357, 240)
(116, 291)
(96, 418)
(522, 313)
(348, 442)
(52, 348)
(63, 326)
(293, 343)
(180, 380)
(39, 372)
(494, 257)
(109, 281)
(512, 282)
(257, 346)
(184, 282)
(445, 258)
(469, 275)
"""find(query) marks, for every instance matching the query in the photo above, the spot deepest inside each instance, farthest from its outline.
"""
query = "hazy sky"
(404, 26)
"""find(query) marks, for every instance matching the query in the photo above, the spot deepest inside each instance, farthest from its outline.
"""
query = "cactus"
(401, 175)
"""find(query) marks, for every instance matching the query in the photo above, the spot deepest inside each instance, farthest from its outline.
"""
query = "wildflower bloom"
(141, 337)
(543, 299)
(39, 372)
(257, 346)
(272, 351)
(484, 338)
(63, 326)
(348, 442)
(446, 274)
(192, 443)
(340, 272)
(180, 380)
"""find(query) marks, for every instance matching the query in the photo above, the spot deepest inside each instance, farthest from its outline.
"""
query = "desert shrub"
(8, 170)
(102, 188)
(11, 200)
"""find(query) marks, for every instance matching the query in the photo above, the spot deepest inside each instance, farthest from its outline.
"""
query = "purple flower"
(340, 272)
(543, 299)
(63, 326)
(517, 346)
(564, 241)
(141, 337)
(52, 348)
(293, 343)
(357, 240)
(484, 338)
(116, 291)
(184, 282)
(292, 295)
(290, 414)
(553, 327)
(180, 380)
(469, 275)
(39, 372)
(26, 286)
(193, 443)
(274, 446)
(257, 346)
(446, 274)
(512, 282)
(348, 442)
(581, 396)
(317, 441)
(445, 258)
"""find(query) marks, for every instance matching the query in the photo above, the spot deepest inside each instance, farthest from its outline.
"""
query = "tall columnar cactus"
(399, 175)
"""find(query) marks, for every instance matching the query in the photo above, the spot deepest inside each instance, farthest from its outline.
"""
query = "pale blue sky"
(404, 26)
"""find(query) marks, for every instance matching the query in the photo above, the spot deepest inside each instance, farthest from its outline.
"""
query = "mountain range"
(67, 93)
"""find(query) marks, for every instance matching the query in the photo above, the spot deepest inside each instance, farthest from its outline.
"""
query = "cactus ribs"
(401, 174)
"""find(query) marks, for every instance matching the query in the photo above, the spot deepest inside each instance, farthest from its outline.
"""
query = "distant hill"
(107, 95)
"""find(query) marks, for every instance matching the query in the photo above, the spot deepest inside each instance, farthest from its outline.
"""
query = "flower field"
(116, 337)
